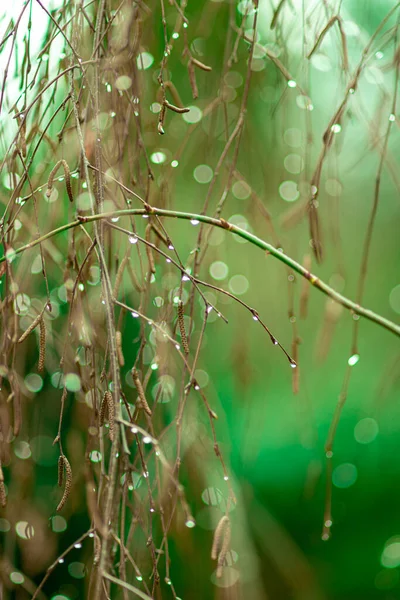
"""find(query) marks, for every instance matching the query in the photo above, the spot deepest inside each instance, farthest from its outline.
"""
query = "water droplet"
(134, 315)
(291, 83)
(255, 318)
(185, 278)
(115, 219)
(78, 545)
(226, 478)
(292, 363)
(147, 439)
(392, 117)
(174, 164)
(134, 430)
(194, 221)
(170, 247)
(190, 522)
(336, 128)
(353, 360)
(132, 239)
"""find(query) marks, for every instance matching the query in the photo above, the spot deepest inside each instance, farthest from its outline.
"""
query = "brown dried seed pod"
(168, 85)
(161, 119)
(226, 542)
(3, 495)
(218, 536)
(103, 410)
(192, 80)
(118, 340)
(31, 327)
(142, 398)
(119, 275)
(60, 471)
(178, 109)
(200, 65)
(42, 344)
(97, 549)
(67, 174)
(149, 251)
(110, 408)
(68, 483)
(181, 323)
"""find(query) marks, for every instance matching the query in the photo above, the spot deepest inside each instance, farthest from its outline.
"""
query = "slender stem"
(249, 237)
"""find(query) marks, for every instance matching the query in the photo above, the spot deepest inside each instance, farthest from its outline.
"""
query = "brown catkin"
(161, 119)
(118, 340)
(119, 275)
(67, 175)
(226, 541)
(42, 344)
(219, 534)
(192, 80)
(110, 408)
(68, 482)
(149, 251)
(31, 327)
(181, 323)
(60, 471)
(142, 398)
(96, 549)
(200, 65)
(3, 495)
(103, 410)
(168, 85)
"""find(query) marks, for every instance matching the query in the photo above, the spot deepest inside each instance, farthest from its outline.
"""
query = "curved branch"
(249, 237)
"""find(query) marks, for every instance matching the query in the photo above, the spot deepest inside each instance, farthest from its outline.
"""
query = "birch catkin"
(3, 496)
(141, 396)
(31, 327)
(107, 406)
(67, 174)
(218, 537)
(118, 339)
(68, 480)
(42, 344)
(181, 323)
(110, 409)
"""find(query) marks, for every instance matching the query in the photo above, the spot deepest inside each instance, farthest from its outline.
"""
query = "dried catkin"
(68, 482)
(96, 549)
(192, 80)
(31, 327)
(200, 65)
(119, 275)
(118, 340)
(3, 496)
(142, 398)
(218, 536)
(110, 409)
(67, 174)
(226, 541)
(103, 410)
(42, 344)
(60, 471)
(161, 119)
(149, 251)
(181, 322)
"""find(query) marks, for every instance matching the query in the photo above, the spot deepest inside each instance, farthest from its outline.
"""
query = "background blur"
(272, 440)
